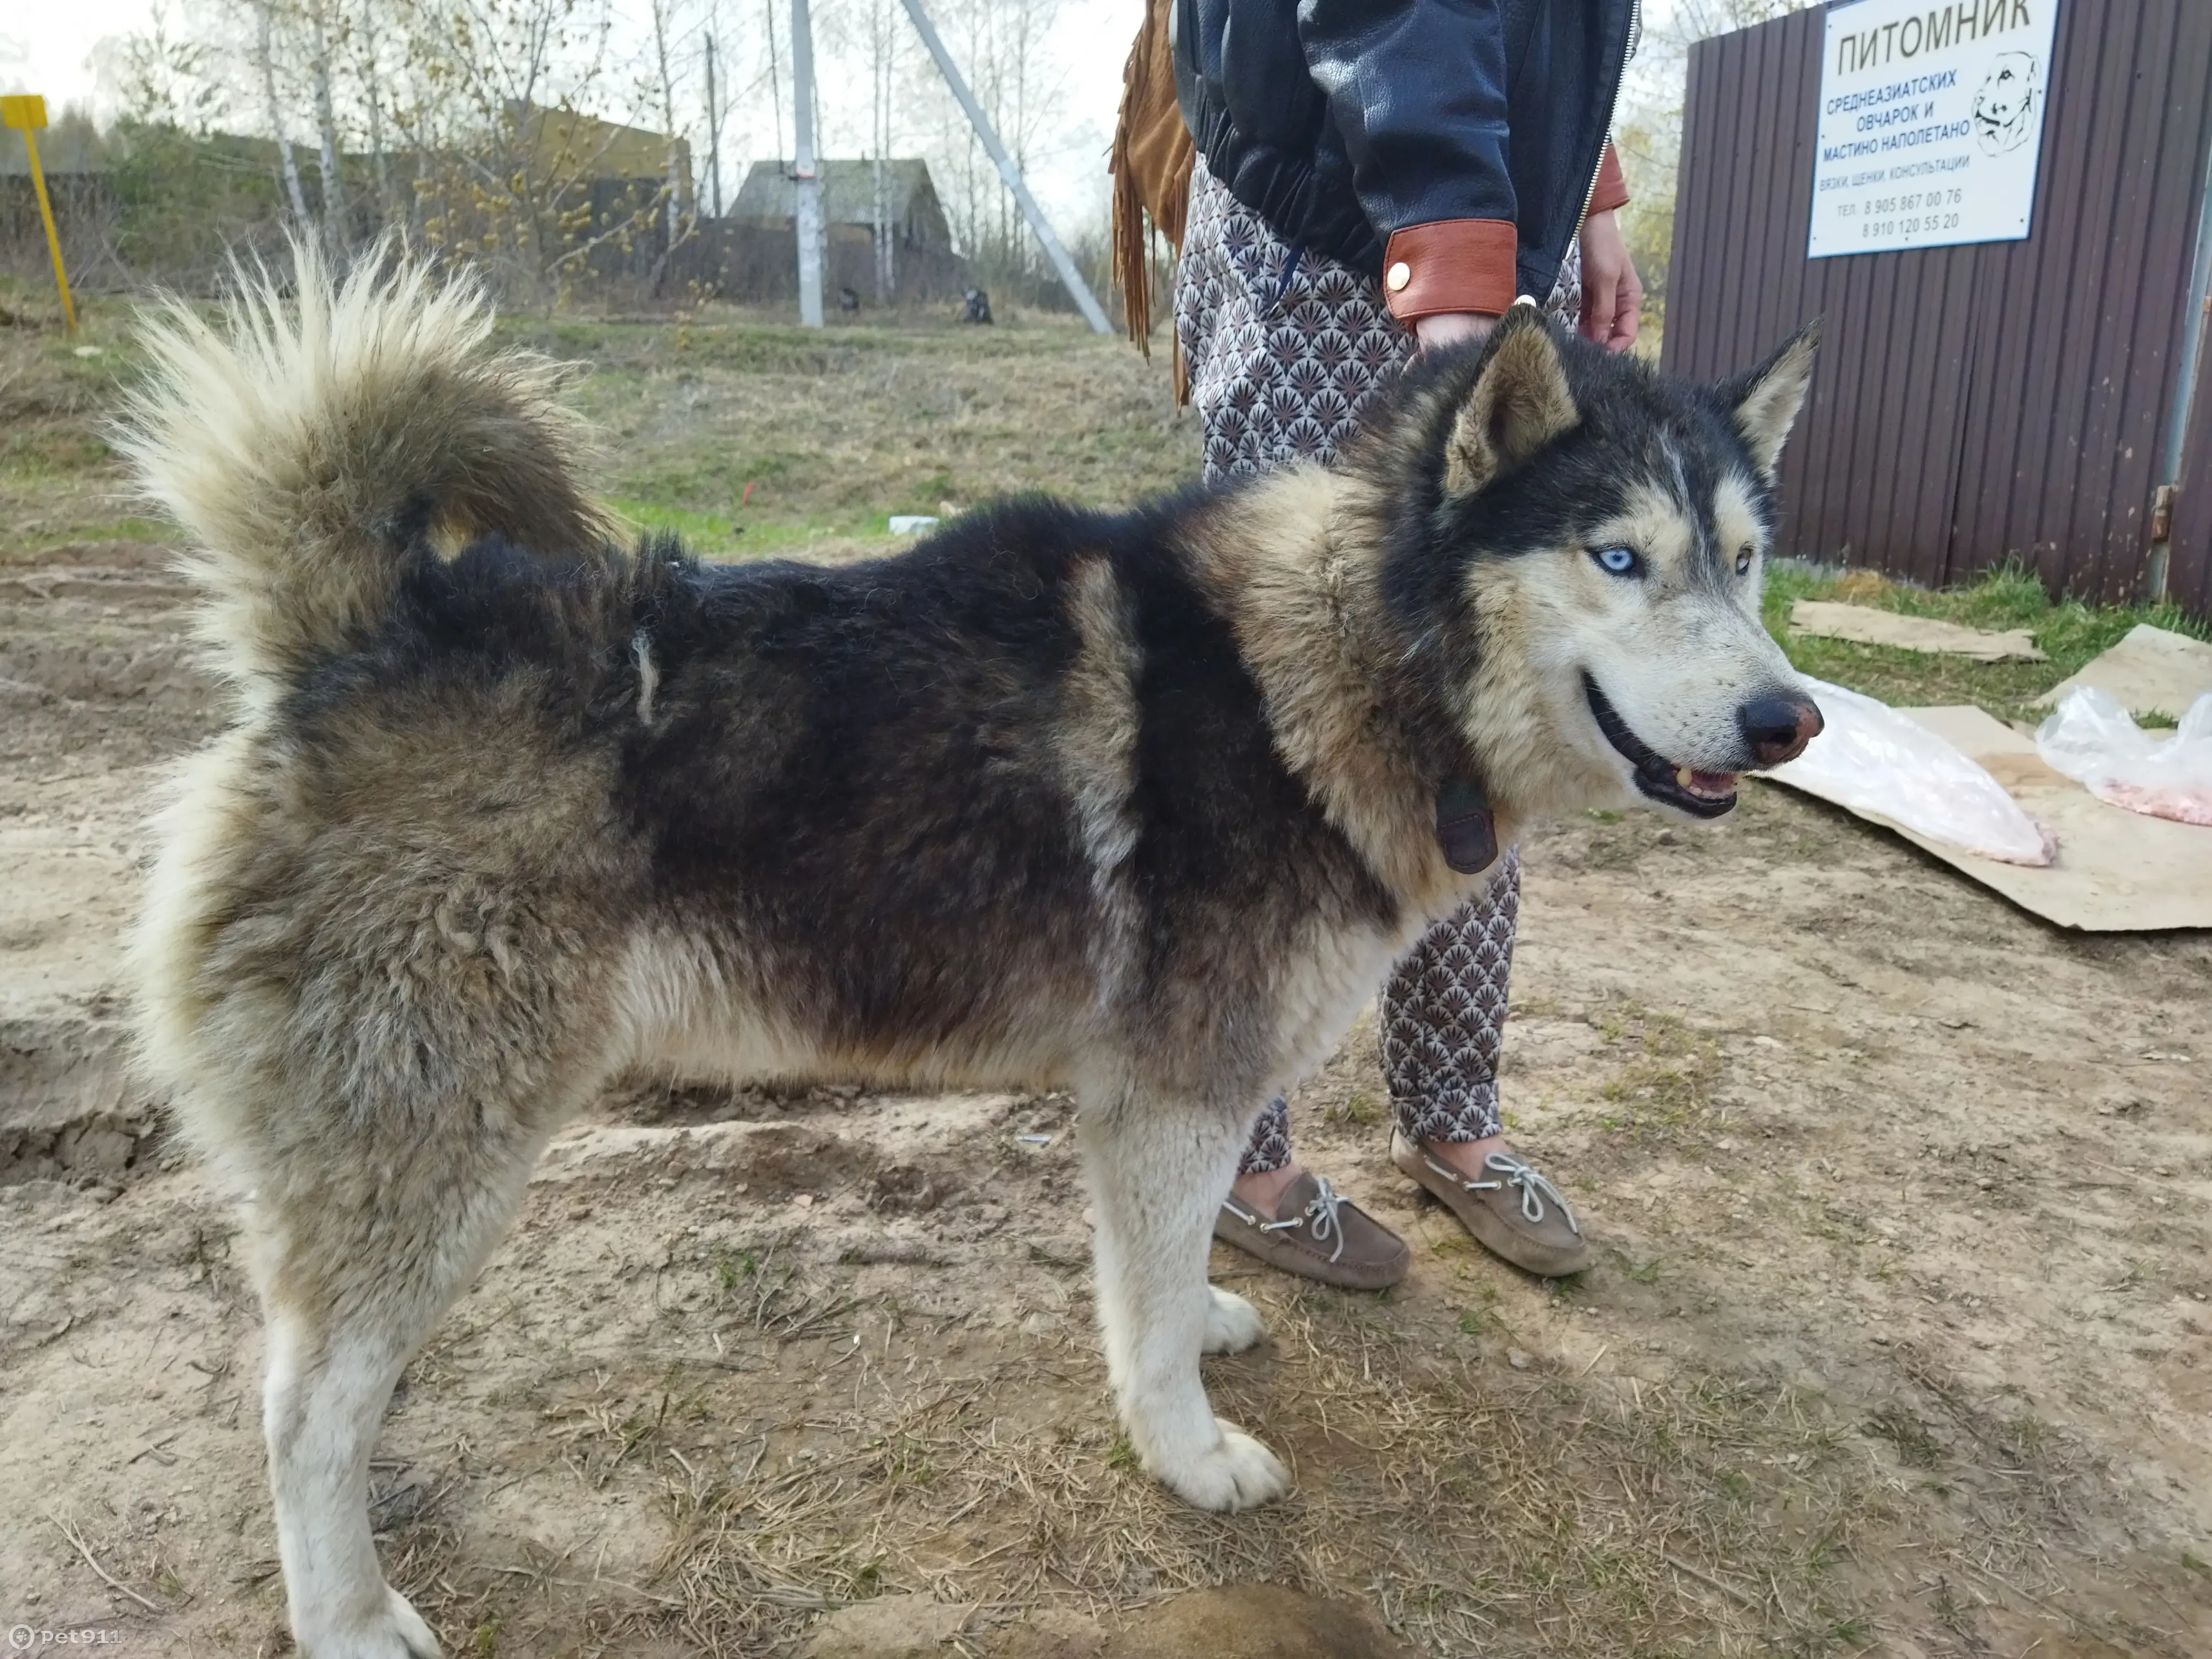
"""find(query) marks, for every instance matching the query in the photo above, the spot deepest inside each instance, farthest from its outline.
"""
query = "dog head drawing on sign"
(2005, 102)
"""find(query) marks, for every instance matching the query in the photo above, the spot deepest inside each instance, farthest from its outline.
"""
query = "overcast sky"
(48, 49)
(55, 50)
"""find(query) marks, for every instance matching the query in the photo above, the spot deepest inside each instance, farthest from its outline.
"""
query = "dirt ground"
(1896, 1342)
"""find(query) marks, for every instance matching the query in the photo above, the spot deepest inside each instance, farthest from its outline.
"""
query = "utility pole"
(879, 33)
(713, 131)
(1070, 277)
(807, 188)
(775, 83)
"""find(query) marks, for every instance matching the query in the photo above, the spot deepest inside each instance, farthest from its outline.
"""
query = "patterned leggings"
(1287, 351)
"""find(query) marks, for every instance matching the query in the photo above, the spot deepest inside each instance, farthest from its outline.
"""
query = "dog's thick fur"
(1140, 804)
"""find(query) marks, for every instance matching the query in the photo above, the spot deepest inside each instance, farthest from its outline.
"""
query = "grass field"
(748, 438)
(2068, 632)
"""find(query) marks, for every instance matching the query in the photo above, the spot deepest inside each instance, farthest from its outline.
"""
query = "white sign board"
(1931, 123)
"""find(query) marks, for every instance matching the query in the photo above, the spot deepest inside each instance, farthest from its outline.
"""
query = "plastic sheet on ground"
(2092, 739)
(1877, 761)
(2116, 871)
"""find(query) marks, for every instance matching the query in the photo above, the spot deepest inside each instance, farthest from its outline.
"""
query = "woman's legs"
(1443, 1018)
(1286, 352)
(1269, 1148)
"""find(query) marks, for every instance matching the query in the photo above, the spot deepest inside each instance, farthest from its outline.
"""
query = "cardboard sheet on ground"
(2150, 669)
(1824, 620)
(2116, 872)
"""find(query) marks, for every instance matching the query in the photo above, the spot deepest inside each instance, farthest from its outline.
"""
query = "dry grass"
(744, 437)
(748, 439)
(1480, 1508)
(1484, 1499)
(1667, 1076)
(765, 1284)
(58, 480)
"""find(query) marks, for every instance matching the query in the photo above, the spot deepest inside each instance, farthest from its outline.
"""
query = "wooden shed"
(755, 254)
(769, 200)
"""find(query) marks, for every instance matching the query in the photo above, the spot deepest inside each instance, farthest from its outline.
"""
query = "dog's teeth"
(1683, 776)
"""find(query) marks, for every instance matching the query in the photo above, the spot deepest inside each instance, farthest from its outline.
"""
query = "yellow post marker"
(26, 114)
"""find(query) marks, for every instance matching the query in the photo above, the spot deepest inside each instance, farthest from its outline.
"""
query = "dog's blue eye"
(1743, 563)
(1620, 561)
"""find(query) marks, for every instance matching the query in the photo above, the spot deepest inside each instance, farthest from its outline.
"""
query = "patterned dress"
(1287, 353)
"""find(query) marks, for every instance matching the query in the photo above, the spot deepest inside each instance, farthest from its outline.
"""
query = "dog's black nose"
(1778, 728)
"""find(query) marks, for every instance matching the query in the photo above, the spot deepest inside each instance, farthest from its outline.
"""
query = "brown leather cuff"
(1612, 190)
(1449, 265)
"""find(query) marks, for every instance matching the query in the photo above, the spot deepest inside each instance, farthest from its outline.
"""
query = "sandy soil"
(1898, 1342)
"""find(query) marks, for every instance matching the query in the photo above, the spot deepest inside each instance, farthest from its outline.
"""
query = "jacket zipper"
(1627, 56)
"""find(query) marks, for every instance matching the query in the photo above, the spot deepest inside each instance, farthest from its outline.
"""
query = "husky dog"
(1140, 804)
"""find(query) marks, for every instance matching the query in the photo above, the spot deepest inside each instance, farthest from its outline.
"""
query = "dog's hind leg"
(1158, 1172)
(355, 1267)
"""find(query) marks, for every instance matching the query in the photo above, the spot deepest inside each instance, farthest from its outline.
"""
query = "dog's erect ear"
(1764, 404)
(1520, 402)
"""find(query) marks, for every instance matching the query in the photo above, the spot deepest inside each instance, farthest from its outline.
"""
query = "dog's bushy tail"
(306, 443)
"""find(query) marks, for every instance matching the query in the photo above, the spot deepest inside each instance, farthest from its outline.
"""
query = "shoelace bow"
(1319, 1216)
(1529, 1182)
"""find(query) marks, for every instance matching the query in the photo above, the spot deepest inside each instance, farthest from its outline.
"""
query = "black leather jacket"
(1342, 121)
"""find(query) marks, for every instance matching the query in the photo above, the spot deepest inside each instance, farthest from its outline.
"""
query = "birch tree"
(1647, 123)
(326, 124)
(266, 18)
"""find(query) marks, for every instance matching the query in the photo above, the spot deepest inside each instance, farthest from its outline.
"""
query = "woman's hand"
(1613, 298)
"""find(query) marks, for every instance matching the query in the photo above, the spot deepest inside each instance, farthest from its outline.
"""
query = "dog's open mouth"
(1703, 794)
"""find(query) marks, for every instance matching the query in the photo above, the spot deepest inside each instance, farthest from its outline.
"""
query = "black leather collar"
(1465, 828)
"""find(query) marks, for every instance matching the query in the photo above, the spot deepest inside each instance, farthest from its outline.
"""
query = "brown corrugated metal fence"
(1979, 403)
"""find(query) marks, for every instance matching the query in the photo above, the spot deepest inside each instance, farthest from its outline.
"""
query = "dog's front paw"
(401, 1633)
(411, 1627)
(1232, 1324)
(1237, 1474)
